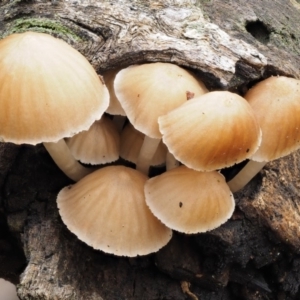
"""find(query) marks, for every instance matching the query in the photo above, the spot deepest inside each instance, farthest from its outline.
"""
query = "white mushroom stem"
(63, 158)
(119, 122)
(171, 161)
(245, 175)
(146, 154)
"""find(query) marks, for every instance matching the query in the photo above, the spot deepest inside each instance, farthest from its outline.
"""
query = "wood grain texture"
(229, 45)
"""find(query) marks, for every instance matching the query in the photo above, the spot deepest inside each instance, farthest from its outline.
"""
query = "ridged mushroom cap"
(100, 144)
(131, 143)
(114, 107)
(148, 91)
(107, 210)
(190, 201)
(48, 90)
(210, 132)
(276, 105)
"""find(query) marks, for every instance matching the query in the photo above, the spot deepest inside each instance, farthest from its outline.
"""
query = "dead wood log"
(229, 45)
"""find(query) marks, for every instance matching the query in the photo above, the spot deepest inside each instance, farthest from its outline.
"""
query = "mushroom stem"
(119, 122)
(63, 158)
(245, 175)
(171, 161)
(146, 154)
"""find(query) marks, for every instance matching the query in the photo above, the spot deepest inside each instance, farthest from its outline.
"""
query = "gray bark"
(229, 45)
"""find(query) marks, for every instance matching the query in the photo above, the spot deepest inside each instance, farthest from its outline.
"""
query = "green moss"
(41, 25)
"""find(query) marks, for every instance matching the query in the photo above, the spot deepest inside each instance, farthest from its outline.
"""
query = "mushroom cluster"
(172, 120)
(154, 114)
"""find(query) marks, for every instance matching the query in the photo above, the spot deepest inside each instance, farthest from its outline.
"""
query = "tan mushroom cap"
(148, 91)
(114, 107)
(276, 104)
(210, 132)
(107, 210)
(190, 201)
(48, 90)
(131, 143)
(98, 145)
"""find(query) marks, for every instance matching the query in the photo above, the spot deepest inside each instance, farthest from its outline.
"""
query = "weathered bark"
(229, 45)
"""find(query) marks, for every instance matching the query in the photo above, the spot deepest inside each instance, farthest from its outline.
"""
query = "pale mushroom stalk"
(245, 175)
(171, 161)
(146, 154)
(119, 122)
(63, 158)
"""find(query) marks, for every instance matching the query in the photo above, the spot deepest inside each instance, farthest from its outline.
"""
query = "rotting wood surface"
(229, 45)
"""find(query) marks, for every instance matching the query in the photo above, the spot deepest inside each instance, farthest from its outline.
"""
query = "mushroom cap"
(131, 143)
(100, 144)
(48, 90)
(107, 210)
(114, 107)
(148, 91)
(190, 201)
(276, 105)
(210, 132)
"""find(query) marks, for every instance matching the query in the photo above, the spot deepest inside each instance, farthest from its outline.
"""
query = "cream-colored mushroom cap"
(131, 143)
(114, 107)
(190, 201)
(48, 90)
(148, 91)
(210, 132)
(107, 210)
(276, 104)
(98, 145)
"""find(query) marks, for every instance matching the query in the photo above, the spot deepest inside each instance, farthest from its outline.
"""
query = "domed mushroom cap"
(190, 201)
(48, 90)
(276, 104)
(107, 210)
(150, 90)
(98, 145)
(210, 132)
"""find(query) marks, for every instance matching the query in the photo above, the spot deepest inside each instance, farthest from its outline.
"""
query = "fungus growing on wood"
(210, 132)
(148, 91)
(100, 144)
(276, 104)
(190, 201)
(114, 108)
(131, 143)
(107, 210)
(48, 91)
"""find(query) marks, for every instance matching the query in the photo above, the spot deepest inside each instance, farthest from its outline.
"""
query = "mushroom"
(114, 108)
(148, 91)
(131, 143)
(276, 104)
(98, 145)
(107, 210)
(48, 91)
(212, 131)
(190, 201)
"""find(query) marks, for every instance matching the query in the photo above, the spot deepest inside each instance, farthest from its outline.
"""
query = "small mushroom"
(131, 143)
(100, 144)
(48, 91)
(190, 201)
(275, 102)
(107, 210)
(210, 132)
(148, 91)
(115, 109)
